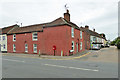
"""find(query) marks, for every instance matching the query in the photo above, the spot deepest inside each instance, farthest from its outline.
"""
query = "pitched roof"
(31, 28)
(39, 27)
(90, 32)
(5, 30)
(61, 21)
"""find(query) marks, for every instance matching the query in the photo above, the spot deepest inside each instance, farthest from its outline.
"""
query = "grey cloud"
(39, 11)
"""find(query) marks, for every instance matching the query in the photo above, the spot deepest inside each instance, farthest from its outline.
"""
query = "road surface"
(98, 64)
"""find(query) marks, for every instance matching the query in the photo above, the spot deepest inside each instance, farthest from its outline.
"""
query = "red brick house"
(62, 33)
(86, 37)
(90, 37)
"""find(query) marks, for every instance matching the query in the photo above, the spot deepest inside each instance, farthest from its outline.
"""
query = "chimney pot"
(94, 30)
(87, 27)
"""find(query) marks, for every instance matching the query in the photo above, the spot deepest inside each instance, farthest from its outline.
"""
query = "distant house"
(90, 37)
(3, 37)
(104, 40)
(86, 38)
(61, 33)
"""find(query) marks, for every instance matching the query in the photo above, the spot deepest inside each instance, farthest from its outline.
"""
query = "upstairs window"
(14, 37)
(3, 37)
(72, 32)
(35, 36)
(80, 34)
(14, 48)
(94, 38)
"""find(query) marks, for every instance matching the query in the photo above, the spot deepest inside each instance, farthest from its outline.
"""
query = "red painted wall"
(59, 36)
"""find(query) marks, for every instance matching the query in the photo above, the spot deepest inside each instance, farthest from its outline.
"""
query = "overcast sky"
(99, 14)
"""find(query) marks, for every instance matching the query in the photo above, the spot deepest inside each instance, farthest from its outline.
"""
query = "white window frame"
(14, 48)
(72, 32)
(94, 38)
(33, 36)
(80, 45)
(26, 47)
(4, 46)
(73, 45)
(34, 48)
(80, 34)
(14, 37)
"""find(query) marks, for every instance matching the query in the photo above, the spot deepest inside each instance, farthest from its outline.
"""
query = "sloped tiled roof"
(31, 28)
(39, 27)
(5, 30)
(93, 33)
(61, 21)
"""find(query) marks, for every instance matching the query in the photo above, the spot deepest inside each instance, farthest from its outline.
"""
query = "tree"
(118, 43)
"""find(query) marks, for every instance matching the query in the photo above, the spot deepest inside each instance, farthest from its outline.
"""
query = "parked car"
(102, 46)
(96, 46)
(107, 45)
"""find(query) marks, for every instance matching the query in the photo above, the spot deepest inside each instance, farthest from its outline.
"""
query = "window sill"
(35, 52)
(34, 40)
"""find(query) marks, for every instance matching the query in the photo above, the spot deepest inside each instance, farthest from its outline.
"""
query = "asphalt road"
(86, 67)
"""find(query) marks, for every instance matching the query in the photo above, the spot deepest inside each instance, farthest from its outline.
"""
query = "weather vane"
(66, 8)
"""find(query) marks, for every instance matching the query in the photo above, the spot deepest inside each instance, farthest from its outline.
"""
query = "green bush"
(118, 43)
(113, 42)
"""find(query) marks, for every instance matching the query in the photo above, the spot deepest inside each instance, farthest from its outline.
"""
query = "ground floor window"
(81, 46)
(35, 48)
(14, 48)
(4, 46)
(73, 45)
(26, 48)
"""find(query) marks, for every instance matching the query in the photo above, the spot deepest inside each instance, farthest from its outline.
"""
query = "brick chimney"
(67, 16)
(87, 27)
(94, 30)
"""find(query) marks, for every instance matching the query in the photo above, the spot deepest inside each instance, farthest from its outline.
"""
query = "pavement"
(96, 64)
(75, 56)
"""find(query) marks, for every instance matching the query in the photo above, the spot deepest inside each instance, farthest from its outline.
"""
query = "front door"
(77, 46)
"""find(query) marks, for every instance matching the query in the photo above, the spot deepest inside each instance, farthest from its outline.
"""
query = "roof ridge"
(10, 26)
(34, 25)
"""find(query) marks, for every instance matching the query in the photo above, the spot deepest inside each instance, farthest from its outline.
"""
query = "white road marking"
(71, 67)
(55, 65)
(12, 60)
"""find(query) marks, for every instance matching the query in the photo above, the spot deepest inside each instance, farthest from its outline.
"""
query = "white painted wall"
(98, 40)
(3, 42)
